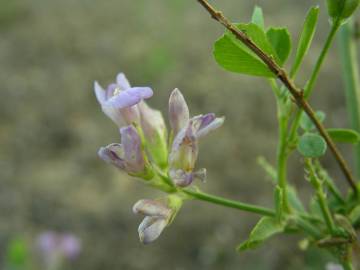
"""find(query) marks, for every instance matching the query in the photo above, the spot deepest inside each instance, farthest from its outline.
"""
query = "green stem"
(350, 73)
(321, 197)
(282, 154)
(315, 73)
(229, 203)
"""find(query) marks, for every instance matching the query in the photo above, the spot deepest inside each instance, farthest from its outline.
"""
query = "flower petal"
(123, 99)
(150, 229)
(208, 126)
(178, 111)
(181, 178)
(113, 154)
(141, 92)
(99, 93)
(151, 208)
(122, 81)
(70, 246)
(133, 154)
(114, 114)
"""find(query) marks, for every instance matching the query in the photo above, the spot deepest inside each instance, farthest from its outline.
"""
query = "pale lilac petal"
(201, 175)
(178, 111)
(207, 119)
(123, 99)
(150, 229)
(100, 93)
(151, 208)
(181, 178)
(184, 151)
(333, 266)
(130, 114)
(122, 81)
(70, 246)
(110, 90)
(210, 126)
(47, 243)
(113, 154)
(114, 114)
(133, 153)
(141, 92)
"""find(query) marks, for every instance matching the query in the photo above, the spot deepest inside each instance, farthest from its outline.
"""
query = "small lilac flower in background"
(184, 151)
(56, 248)
(119, 100)
(333, 266)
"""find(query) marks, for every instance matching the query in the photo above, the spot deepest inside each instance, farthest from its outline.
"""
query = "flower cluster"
(147, 151)
(55, 247)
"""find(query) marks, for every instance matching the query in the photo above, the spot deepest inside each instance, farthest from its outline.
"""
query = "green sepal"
(341, 9)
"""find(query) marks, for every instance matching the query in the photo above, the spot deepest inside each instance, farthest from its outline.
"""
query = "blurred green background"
(51, 128)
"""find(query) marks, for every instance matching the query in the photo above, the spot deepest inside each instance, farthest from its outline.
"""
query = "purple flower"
(184, 151)
(119, 100)
(129, 155)
(157, 216)
(56, 246)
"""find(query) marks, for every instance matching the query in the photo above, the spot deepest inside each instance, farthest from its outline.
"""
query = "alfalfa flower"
(119, 100)
(158, 214)
(185, 146)
(129, 155)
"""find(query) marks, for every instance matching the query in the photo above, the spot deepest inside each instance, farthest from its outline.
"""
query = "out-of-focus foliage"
(51, 128)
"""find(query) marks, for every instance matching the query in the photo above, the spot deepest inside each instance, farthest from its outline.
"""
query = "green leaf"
(263, 230)
(344, 135)
(258, 17)
(355, 216)
(311, 145)
(306, 123)
(341, 9)
(306, 38)
(233, 55)
(281, 42)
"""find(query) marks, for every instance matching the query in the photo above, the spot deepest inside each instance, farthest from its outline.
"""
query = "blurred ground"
(51, 128)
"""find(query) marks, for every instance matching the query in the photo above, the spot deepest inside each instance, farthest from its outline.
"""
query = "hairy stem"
(350, 72)
(296, 92)
(321, 197)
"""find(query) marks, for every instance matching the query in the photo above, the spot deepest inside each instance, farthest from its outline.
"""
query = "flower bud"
(184, 151)
(155, 132)
(158, 214)
(178, 111)
(341, 9)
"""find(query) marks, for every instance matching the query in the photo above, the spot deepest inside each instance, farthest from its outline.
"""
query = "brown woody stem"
(283, 76)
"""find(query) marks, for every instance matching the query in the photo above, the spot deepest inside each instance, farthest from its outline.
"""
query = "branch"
(295, 91)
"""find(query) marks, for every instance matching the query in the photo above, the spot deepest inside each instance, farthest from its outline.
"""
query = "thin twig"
(282, 75)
